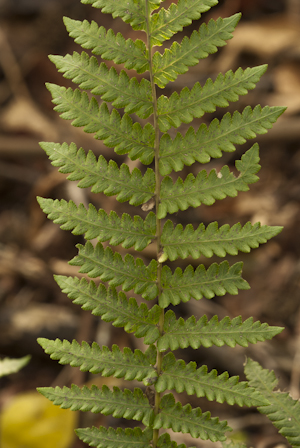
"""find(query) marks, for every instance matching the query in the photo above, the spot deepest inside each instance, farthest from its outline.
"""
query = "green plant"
(162, 332)
(11, 365)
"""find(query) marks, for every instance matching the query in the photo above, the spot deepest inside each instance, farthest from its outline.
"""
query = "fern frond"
(181, 334)
(217, 280)
(127, 364)
(178, 375)
(166, 23)
(110, 267)
(206, 188)
(283, 411)
(115, 438)
(103, 177)
(176, 60)
(181, 242)
(187, 420)
(219, 136)
(102, 89)
(121, 133)
(120, 404)
(113, 307)
(97, 224)
(118, 89)
(190, 104)
(108, 45)
(132, 12)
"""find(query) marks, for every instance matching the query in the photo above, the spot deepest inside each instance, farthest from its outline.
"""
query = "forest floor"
(32, 249)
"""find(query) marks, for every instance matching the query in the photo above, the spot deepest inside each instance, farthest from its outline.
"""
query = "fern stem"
(157, 200)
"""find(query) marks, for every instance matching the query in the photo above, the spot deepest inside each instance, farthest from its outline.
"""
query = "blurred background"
(32, 249)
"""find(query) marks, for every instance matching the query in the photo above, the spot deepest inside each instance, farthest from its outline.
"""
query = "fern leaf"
(217, 280)
(110, 267)
(120, 404)
(97, 224)
(206, 188)
(118, 89)
(187, 420)
(115, 438)
(113, 307)
(103, 177)
(132, 12)
(108, 45)
(115, 131)
(13, 365)
(283, 411)
(180, 57)
(164, 441)
(213, 240)
(166, 23)
(181, 334)
(178, 375)
(127, 364)
(190, 104)
(219, 136)
(234, 444)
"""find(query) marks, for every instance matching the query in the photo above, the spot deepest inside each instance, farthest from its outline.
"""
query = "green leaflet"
(187, 420)
(166, 23)
(181, 334)
(233, 444)
(13, 365)
(179, 57)
(165, 441)
(115, 438)
(95, 223)
(283, 411)
(108, 45)
(120, 404)
(113, 307)
(110, 127)
(189, 104)
(217, 280)
(220, 136)
(205, 189)
(119, 89)
(110, 267)
(127, 364)
(131, 11)
(103, 177)
(186, 377)
(181, 242)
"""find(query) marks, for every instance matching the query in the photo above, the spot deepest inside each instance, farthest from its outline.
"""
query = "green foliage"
(181, 377)
(127, 365)
(179, 58)
(120, 404)
(115, 438)
(156, 187)
(219, 136)
(184, 333)
(282, 410)
(190, 104)
(108, 179)
(113, 307)
(97, 224)
(11, 365)
(179, 242)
